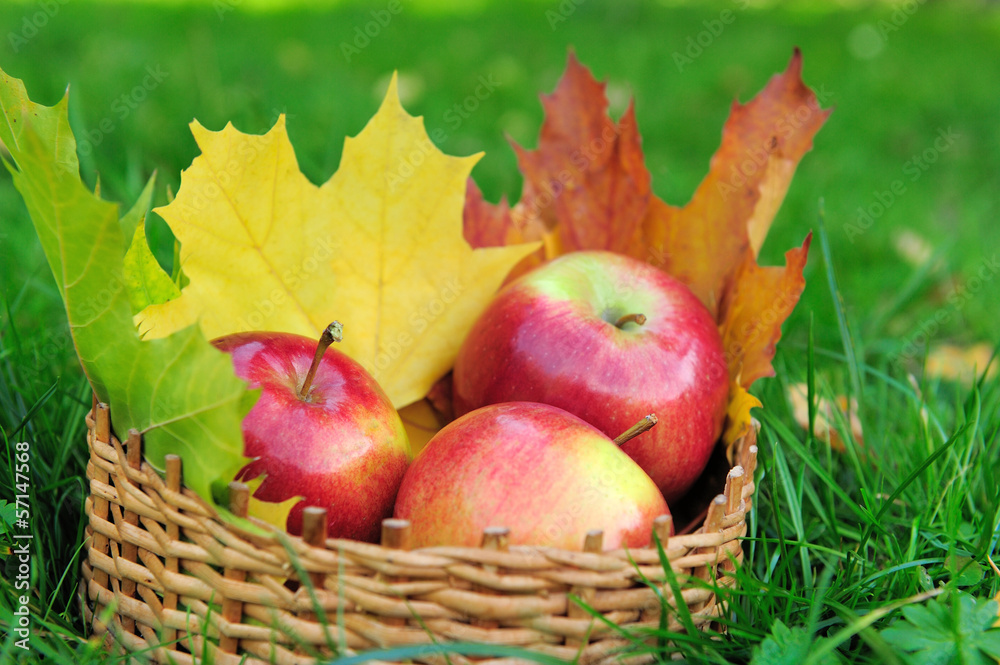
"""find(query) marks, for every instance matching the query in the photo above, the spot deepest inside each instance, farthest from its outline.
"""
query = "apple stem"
(635, 318)
(333, 333)
(637, 429)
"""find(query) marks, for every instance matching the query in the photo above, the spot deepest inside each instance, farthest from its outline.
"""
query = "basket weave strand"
(167, 579)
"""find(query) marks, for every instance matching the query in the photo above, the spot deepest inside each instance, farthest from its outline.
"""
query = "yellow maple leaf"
(275, 514)
(738, 418)
(421, 423)
(378, 247)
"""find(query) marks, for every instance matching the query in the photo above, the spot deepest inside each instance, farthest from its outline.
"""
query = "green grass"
(838, 542)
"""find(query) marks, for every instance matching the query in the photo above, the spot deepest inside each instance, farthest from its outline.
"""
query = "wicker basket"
(167, 580)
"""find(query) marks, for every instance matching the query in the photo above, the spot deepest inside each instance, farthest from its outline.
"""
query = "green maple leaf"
(960, 632)
(179, 391)
(788, 646)
(145, 281)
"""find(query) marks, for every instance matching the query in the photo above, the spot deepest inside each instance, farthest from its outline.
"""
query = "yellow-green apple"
(322, 429)
(541, 472)
(608, 338)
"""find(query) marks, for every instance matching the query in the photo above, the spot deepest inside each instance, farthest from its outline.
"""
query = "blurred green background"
(897, 74)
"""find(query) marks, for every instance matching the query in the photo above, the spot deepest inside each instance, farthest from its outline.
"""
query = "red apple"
(541, 472)
(322, 429)
(608, 338)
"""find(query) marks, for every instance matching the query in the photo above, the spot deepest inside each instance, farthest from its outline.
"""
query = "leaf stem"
(333, 333)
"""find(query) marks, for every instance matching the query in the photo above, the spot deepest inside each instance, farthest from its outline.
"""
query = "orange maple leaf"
(704, 243)
(587, 187)
(587, 179)
(755, 303)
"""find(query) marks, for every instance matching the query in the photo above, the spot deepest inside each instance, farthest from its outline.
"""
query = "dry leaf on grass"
(960, 364)
(912, 247)
(828, 415)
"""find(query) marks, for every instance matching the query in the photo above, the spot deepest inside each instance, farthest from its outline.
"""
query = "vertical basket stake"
(735, 508)
(99, 542)
(130, 551)
(593, 542)
(232, 610)
(495, 538)
(713, 524)
(314, 527)
(395, 536)
(750, 461)
(173, 480)
(734, 489)
(663, 529)
(314, 534)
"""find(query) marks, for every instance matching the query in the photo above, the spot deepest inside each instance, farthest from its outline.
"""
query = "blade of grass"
(838, 302)
(793, 506)
(789, 439)
(858, 624)
(407, 653)
(915, 473)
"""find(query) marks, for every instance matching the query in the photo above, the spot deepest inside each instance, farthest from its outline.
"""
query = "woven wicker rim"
(166, 577)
